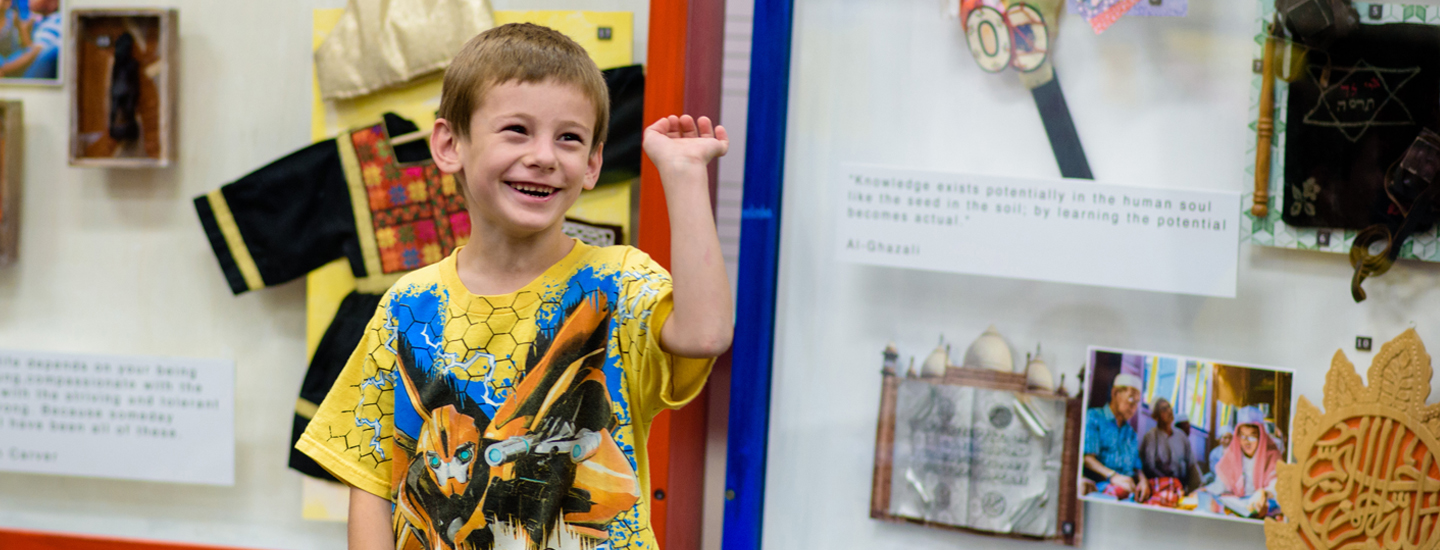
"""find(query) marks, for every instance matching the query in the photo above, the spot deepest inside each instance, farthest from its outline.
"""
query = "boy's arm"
(369, 527)
(701, 323)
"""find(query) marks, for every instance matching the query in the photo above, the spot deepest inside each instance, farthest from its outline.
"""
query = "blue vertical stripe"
(759, 265)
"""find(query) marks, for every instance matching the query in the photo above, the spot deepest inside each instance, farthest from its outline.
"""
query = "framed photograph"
(1184, 434)
(122, 93)
(31, 42)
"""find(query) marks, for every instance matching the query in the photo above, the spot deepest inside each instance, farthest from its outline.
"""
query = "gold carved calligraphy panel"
(1365, 474)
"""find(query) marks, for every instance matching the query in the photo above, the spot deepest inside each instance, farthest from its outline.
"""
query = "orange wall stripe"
(664, 96)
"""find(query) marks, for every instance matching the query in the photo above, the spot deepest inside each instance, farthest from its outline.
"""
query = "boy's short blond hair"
(522, 53)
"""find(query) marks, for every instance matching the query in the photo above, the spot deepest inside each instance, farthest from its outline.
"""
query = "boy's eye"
(572, 137)
(515, 128)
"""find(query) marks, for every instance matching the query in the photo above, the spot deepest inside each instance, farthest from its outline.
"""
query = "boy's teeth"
(533, 189)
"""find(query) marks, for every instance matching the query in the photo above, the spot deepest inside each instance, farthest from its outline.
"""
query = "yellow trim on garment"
(377, 284)
(360, 202)
(226, 221)
(305, 408)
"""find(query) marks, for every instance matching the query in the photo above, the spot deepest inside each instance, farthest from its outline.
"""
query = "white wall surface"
(1156, 102)
(116, 262)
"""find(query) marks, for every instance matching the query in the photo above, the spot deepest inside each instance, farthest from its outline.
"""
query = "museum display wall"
(888, 334)
(115, 261)
(1164, 103)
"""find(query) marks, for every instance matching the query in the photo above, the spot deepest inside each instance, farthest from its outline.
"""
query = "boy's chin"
(526, 220)
(532, 224)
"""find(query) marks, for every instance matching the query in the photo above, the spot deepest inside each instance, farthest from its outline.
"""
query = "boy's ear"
(445, 147)
(592, 166)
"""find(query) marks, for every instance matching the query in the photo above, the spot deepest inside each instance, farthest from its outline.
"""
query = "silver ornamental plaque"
(977, 458)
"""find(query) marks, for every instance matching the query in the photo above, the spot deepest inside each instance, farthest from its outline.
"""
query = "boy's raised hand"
(678, 141)
(701, 323)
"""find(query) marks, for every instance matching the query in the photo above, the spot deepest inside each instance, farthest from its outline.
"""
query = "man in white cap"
(1111, 457)
(1165, 450)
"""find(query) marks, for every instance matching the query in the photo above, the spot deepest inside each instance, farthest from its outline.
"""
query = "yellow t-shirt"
(497, 421)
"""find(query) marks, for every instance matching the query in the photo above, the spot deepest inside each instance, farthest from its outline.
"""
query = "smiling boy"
(502, 397)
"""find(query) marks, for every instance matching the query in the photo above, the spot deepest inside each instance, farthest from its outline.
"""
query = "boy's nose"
(542, 155)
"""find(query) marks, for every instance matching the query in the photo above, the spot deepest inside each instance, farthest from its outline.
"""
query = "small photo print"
(1149, 8)
(31, 35)
(1160, 8)
(1183, 434)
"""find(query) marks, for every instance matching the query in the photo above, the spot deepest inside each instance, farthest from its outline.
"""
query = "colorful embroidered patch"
(418, 214)
(1109, 16)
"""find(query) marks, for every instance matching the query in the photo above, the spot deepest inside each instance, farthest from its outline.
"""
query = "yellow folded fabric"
(383, 43)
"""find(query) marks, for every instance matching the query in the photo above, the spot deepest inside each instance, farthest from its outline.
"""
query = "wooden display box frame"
(1069, 508)
(12, 149)
(165, 83)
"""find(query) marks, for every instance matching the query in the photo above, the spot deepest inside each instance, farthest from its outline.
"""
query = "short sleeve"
(351, 435)
(283, 220)
(661, 380)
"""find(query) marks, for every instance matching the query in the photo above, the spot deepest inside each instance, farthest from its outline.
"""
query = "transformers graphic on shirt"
(510, 421)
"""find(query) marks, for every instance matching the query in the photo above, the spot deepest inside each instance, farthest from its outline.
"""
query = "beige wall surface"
(115, 261)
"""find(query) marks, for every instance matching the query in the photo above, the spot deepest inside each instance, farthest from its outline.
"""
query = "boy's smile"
(529, 155)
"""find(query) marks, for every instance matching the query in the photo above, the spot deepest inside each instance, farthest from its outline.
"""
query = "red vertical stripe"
(704, 59)
(34, 540)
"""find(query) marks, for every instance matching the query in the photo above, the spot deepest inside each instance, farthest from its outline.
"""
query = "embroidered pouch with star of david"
(1351, 115)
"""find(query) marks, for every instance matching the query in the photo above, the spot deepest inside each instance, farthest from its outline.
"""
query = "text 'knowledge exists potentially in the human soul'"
(1072, 231)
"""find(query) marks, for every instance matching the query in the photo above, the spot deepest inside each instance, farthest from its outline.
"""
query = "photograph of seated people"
(1182, 434)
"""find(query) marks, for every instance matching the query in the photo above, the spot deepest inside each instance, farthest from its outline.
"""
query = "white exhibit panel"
(1077, 231)
(156, 418)
(1160, 104)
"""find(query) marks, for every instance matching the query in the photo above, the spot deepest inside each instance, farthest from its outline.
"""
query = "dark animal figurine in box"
(124, 90)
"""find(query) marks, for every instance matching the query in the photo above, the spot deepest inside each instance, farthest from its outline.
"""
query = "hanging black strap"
(1064, 140)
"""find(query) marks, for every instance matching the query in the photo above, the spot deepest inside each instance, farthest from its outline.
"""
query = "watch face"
(989, 38)
(1029, 37)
